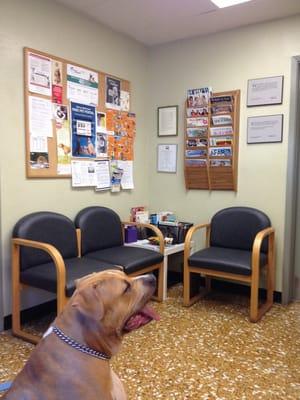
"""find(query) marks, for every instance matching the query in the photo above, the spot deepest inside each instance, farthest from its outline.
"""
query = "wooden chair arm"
(53, 253)
(189, 235)
(257, 246)
(154, 229)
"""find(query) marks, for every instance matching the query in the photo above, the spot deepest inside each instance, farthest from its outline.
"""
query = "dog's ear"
(88, 302)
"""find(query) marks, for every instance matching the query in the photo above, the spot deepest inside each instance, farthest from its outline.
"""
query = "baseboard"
(32, 313)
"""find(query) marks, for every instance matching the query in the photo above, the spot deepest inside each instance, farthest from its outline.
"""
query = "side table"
(169, 249)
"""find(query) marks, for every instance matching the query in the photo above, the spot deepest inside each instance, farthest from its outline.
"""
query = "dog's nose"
(149, 280)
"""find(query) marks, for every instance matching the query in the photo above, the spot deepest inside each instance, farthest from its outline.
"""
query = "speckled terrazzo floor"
(208, 351)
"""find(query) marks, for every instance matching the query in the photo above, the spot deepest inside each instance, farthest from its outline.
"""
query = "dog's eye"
(127, 288)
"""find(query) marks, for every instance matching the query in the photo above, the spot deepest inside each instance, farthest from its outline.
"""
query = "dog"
(71, 361)
(66, 149)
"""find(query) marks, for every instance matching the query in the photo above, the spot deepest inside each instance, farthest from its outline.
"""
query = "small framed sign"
(265, 91)
(167, 121)
(265, 129)
(166, 158)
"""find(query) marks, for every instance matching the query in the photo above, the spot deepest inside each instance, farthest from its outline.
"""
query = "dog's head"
(110, 304)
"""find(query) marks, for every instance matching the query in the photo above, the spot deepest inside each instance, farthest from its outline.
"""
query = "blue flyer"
(83, 128)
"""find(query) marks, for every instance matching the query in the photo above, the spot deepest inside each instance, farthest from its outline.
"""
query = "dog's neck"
(87, 331)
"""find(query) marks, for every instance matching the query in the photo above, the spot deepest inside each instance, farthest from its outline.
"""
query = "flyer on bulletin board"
(83, 128)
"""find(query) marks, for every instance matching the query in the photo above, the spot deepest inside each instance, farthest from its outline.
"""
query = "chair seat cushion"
(44, 276)
(132, 259)
(225, 259)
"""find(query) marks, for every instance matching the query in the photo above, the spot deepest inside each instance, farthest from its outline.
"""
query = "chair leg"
(186, 284)
(187, 300)
(257, 312)
(16, 317)
(160, 283)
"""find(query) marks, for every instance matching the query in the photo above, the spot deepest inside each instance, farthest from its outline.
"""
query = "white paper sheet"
(103, 181)
(39, 74)
(167, 158)
(83, 173)
(40, 117)
(127, 177)
(38, 144)
(82, 85)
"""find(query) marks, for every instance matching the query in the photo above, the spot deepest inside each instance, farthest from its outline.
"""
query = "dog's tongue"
(141, 318)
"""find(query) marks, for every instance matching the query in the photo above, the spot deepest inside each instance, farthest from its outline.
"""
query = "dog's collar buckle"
(78, 346)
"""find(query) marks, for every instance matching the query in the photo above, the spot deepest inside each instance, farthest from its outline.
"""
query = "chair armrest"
(189, 235)
(154, 229)
(51, 250)
(257, 246)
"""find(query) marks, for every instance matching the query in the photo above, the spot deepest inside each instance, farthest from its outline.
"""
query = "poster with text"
(83, 128)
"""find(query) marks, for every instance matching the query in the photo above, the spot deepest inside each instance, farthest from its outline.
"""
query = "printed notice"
(40, 117)
(82, 85)
(39, 70)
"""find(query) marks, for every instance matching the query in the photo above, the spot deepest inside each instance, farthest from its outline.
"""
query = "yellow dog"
(71, 362)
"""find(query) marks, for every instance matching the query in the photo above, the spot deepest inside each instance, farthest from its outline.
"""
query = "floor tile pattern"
(209, 351)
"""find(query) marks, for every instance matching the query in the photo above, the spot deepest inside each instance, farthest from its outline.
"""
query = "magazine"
(196, 163)
(221, 99)
(222, 109)
(221, 141)
(195, 153)
(198, 142)
(195, 122)
(221, 120)
(221, 131)
(196, 112)
(198, 97)
(197, 132)
(220, 151)
(220, 163)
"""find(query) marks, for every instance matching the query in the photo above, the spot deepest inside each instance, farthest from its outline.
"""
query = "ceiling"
(154, 22)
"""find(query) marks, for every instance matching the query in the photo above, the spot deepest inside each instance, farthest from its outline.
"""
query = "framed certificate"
(265, 129)
(167, 158)
(265, 91)
(167, 121)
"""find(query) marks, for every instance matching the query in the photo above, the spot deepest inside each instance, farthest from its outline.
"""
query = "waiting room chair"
(239, 243)
(101, 234)
(45, 256)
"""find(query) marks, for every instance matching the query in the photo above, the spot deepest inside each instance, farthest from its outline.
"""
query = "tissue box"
(131, 234)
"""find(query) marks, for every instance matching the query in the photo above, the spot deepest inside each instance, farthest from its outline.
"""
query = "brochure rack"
(211, 149)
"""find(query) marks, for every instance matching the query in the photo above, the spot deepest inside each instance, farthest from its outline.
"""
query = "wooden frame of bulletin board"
(50, 169)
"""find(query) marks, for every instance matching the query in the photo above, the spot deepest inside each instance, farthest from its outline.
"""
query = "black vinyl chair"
(101, 234)
(239, 243)
(45, 256)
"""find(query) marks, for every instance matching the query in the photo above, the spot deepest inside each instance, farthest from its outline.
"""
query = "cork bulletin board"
(56, 92)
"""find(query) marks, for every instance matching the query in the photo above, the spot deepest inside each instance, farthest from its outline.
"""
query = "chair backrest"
(49, 227)
(101, 228)
(236, 228)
